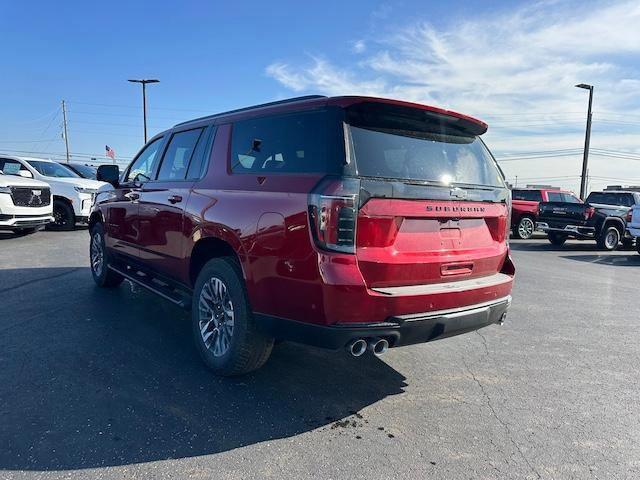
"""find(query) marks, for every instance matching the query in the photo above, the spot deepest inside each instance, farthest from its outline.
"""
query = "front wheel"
(609, 239)
(525, 228)
(102, 274)
(557, 239)
(223, 326)
(63, 217)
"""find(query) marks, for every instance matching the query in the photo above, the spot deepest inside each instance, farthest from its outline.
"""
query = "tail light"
(333, 212)
(629, 217)
(588, 213)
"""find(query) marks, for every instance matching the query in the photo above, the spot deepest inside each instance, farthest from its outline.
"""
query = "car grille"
(31, 196)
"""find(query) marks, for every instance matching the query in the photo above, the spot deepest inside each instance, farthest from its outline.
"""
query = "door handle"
(175, 199)
(133, 196)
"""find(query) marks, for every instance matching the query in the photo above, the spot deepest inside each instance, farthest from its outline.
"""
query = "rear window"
(295, 143)
(527, 195)
(412, 144)
(604, 198)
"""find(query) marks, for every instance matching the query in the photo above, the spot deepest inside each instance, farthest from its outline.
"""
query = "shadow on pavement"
(94, 378)
(631, 260)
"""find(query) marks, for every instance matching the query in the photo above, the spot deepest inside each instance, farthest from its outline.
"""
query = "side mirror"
(25, 174)
(109, 174)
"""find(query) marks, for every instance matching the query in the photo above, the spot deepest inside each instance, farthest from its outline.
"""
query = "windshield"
(423, 156)
(52, 169)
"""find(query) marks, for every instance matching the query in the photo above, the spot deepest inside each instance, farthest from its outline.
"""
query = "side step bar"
(155, 286)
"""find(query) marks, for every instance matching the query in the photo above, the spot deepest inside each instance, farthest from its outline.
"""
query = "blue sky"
(512, 64)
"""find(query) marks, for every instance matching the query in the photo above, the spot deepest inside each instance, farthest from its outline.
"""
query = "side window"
(143, 166)
(200, 159)
(527, 195)
(175, 162)
(10, 167)
(570, 198)
(294, 143)
(555, 197)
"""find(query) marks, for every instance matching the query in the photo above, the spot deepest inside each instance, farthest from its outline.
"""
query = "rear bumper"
(577, 231)
(399, 330)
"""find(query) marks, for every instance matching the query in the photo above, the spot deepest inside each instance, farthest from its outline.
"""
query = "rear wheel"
(98, 255)
(627, 243)
(609, 239)
(557, 239)
(63, 216)
(525, 228)
(223, 326)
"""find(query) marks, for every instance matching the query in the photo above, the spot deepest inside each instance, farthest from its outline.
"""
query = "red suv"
(524, 207)
(337, 222)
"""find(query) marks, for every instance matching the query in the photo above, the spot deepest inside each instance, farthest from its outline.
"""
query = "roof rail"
(262, 105)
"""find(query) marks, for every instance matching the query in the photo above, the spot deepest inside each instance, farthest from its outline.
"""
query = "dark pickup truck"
(603, 218)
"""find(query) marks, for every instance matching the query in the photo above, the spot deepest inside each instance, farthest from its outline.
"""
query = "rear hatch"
(433, 205)
(560, 214)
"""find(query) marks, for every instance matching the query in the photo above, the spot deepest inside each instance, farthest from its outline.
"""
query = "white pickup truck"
(72, 194)
(25, 204)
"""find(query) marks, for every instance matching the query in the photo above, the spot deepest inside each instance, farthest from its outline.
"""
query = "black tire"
(557, 239)
(638, 246)
(525, 228)
(247, 348)
(609, 239)
(103, 276)
(64, 218)
(627, 243)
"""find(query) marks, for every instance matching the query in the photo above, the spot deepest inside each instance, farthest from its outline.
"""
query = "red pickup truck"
(524, 207)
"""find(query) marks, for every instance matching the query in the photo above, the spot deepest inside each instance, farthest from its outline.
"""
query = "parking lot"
(108, 384)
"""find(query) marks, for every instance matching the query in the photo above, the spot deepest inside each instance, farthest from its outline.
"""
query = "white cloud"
(359, 46)
(515, 70)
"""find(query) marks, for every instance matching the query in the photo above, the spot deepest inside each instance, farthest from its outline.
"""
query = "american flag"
(110, 152)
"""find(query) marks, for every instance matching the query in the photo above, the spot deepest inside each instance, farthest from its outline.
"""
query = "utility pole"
(144, 82)
(64, 125)
(587, 138)
(516, 180)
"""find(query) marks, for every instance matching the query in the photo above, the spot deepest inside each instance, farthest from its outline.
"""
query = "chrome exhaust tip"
(357, 347)
(378, 346)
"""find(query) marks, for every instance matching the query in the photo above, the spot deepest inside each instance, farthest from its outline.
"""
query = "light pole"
(587, 137)
(144, 82)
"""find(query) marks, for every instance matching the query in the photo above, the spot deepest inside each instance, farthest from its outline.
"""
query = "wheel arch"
(95, 217)
(613, 222)
(209, 247)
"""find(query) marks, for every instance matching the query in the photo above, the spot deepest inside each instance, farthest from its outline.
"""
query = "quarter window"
(142, 168)
(284, 144)
(178, 155)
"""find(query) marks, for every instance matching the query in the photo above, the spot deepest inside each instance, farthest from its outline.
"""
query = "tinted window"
(10, 167)
(555, 197)
(604, 198)
(570, 198)
(143, 166)
(86, 171)
(175, 163)
(527, 195)
(284, 144)
(200, 159)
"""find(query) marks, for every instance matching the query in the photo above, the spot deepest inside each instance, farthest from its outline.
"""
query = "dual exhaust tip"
(359, 346)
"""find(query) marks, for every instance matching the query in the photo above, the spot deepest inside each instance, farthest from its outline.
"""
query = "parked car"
(85, 170)
(72, 195)
(633, 224)
(524, 207)
(337, 222)
(603, 218)
(25, 204)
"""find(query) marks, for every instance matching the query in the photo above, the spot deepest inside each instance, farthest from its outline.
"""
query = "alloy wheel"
(525, 228)
(611, 240)
(97, 254)
(216, 316)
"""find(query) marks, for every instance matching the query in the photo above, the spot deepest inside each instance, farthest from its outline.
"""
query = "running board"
(154, 285)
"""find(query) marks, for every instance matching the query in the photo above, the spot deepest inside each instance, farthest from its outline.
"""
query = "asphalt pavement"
(107, 384)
